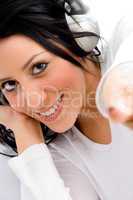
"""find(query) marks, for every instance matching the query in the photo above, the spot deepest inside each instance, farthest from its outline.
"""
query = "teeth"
(59, 100)
(53, 109)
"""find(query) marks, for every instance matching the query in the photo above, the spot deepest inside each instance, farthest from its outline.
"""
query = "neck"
(95, 127)
(90, 122)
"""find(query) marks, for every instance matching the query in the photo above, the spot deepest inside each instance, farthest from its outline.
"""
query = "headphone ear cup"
(84, 23)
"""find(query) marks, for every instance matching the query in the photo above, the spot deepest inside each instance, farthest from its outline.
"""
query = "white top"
(73, 167)
(86, 170)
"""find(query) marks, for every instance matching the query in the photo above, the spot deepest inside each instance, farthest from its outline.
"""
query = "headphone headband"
(79, 19)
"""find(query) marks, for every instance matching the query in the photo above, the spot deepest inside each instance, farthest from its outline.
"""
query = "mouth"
(53, 112)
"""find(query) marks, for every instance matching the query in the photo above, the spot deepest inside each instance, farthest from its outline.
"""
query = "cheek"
(15, 102)
(73, 84)
(66, 76)
(70, 80)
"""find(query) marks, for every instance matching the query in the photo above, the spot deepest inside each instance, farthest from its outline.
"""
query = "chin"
(63, 127)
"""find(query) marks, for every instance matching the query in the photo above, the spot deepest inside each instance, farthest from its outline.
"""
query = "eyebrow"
(24, 66)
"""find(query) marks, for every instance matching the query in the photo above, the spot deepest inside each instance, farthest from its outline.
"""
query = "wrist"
(28, 134)
(22, 147)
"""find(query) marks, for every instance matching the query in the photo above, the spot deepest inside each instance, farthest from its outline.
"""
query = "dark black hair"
(43, 21)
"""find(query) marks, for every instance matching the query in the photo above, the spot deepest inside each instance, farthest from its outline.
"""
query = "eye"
(38, 68)
(9, 85)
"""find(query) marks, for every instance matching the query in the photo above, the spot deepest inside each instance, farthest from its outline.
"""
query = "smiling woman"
(37, 31)
(50, 67)
(41, 73)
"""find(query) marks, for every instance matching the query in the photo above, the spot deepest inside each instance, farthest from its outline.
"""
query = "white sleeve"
(9, 184)
(121, 40)
(36, 171)
(119, 44)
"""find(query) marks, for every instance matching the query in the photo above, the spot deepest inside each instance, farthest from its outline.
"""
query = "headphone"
(80, 19)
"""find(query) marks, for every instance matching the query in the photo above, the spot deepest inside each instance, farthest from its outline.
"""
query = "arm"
(34, 165)
(31, 162)
(117, 79)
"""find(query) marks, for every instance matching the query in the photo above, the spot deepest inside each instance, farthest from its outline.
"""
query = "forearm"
(27, 134)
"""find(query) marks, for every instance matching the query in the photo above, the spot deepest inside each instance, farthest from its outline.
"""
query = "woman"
(48, 78)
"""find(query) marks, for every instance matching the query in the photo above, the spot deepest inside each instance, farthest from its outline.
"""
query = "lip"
(53, 116)
(45, 110)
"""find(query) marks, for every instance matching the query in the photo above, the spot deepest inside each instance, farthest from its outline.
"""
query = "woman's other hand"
(117, 94)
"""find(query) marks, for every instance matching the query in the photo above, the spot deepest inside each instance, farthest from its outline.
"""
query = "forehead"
(18, 44)
(15, 51)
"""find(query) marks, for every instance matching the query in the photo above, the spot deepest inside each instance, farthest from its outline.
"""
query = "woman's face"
(33, 80)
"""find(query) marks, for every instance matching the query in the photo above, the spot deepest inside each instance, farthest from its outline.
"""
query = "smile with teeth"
(53, 109)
